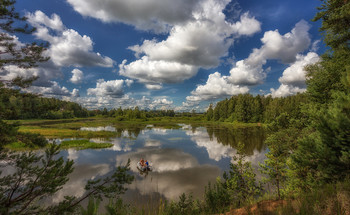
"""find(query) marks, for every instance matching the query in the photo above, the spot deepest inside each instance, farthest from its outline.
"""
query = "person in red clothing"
(142, 162)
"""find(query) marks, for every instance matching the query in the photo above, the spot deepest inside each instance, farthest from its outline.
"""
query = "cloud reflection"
(72, 154)
(153, 143)
(215, 150)
(100, 128)
(175, 172)
(77, 180)
(218, 151)
(117, 144)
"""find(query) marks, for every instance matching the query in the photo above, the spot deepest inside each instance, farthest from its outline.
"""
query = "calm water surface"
(184, 160)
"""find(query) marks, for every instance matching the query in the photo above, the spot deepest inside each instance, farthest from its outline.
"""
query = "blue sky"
(166, 54)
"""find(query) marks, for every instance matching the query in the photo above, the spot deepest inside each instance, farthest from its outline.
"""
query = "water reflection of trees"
(131, 132)
(252, 137)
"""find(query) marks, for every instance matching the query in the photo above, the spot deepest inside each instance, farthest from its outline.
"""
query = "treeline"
(133, 113)
(249, 108)
(17, 105)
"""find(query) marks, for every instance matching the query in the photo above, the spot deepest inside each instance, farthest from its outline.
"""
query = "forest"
(308, 161)
(15, 105)
(248, 108)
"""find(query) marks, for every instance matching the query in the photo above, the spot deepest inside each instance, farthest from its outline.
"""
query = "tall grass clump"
(327, 200)
(84, 144)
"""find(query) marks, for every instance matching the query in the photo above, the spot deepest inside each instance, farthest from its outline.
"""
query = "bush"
(32, 140)
(216, 197)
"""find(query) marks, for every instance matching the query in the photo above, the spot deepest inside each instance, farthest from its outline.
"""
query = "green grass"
(65, 132)
(175, 138)
(77, 144)
(19, 146)
(84, 144)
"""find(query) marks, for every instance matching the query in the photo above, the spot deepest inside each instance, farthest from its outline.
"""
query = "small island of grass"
(84, 144)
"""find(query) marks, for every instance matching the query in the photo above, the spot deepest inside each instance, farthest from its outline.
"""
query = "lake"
(184, 159)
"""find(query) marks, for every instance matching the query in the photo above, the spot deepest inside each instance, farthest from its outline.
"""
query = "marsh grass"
(65, 132)
(83, 144)
(65, 128)
(328, 200)
(19, 146)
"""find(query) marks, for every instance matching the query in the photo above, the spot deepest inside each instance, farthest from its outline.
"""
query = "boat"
(143, 168)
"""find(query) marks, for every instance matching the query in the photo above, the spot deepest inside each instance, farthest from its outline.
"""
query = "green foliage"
(117, 207)
(15, 105)
(253, 137)
(7, 133)
(310, 148)
(32, 140)
(209, 114)
(11, 138)
(7, 12)
(246, 108)
(328, 199)
(335, 16)
(110, 186)
(186, 206)
(137, 114)
(24, 56)
(334, 131)
(323, 155)
(275, 166)
(216, 197)
(240, 180)
(35, 177)
(84, 144)
(326, 77)
(92, 207)
(238, 188)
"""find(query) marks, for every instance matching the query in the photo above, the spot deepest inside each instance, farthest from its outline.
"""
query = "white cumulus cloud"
(55, 90)
(112, 88)
(216, 87)
(293, 78)
(77, 76)
(156, 15)
(153, 73)
(198, 43)
(284, 48)
(67, 46)
(247, 25)
(75, 93)
(46, 71)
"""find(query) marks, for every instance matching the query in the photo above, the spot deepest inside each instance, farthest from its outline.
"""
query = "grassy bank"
(19, 146)
(61, 132)
(71, 128)
(84, 144)
(76, 144)
(65, 128)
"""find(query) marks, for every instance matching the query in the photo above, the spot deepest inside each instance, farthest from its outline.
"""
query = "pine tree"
(323, 156)
(209, 114)
(240, 180)
(26, 56)
(34, 176)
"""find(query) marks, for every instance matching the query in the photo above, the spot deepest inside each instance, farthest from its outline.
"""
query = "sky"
(166, 54)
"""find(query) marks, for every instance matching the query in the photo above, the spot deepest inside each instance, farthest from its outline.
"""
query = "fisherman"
(142, 162)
